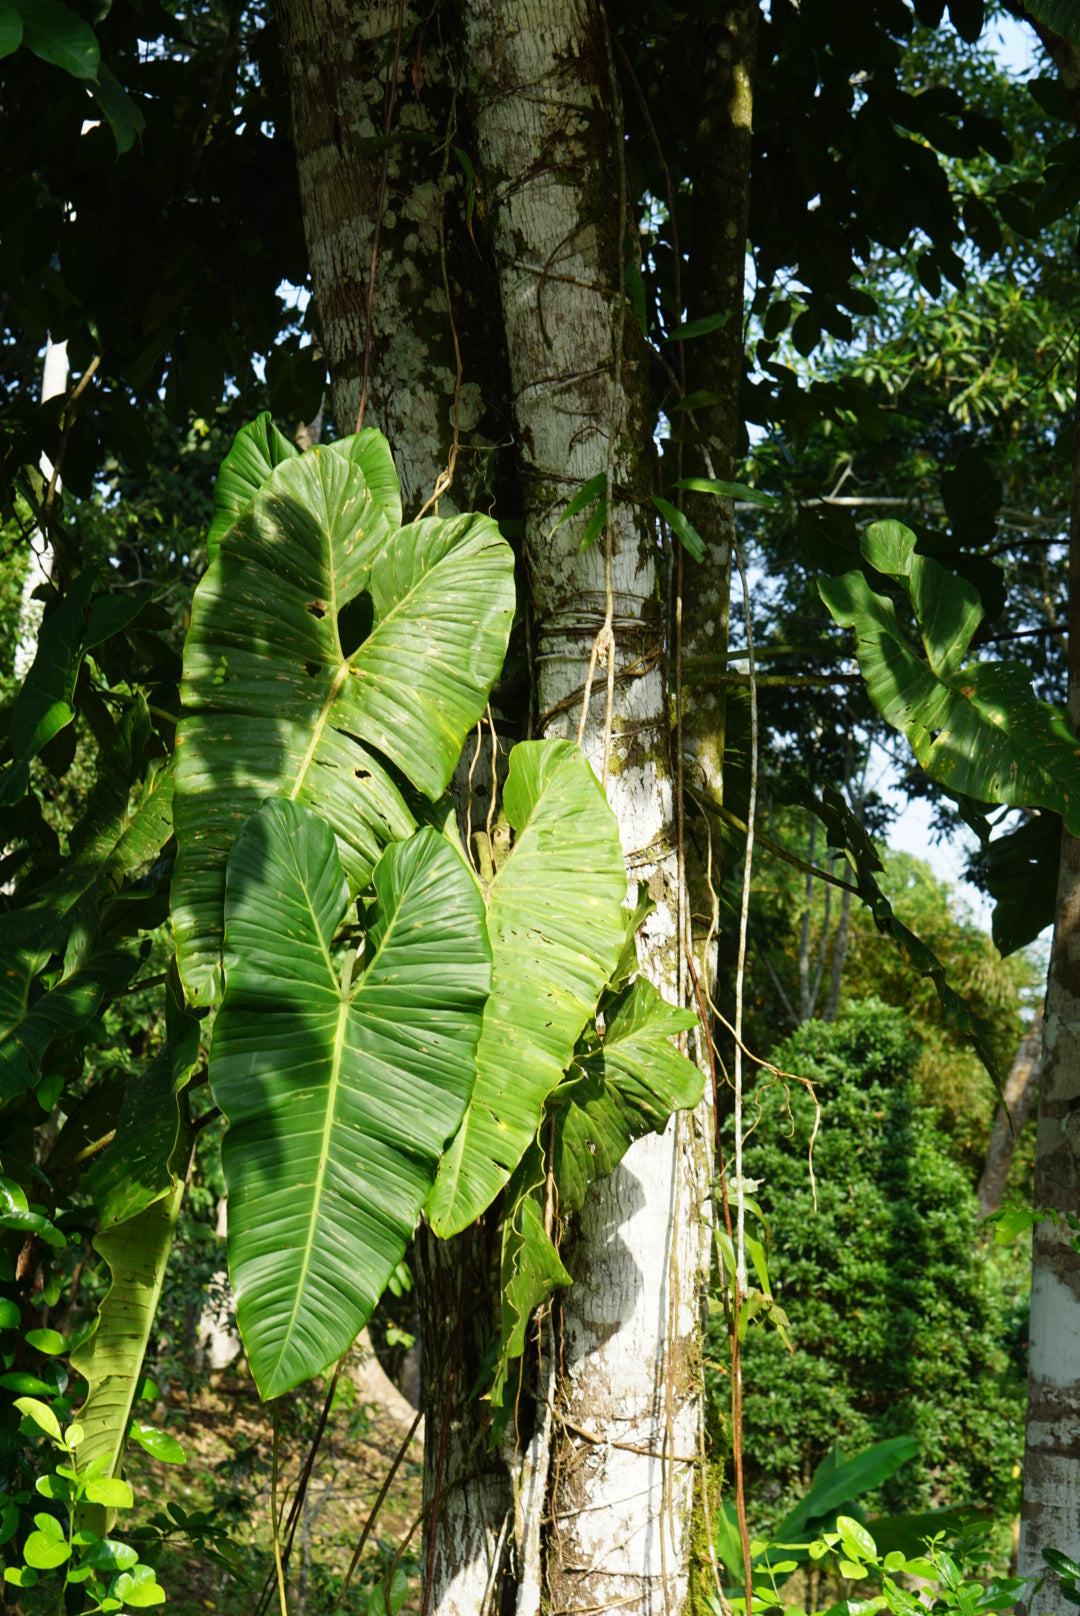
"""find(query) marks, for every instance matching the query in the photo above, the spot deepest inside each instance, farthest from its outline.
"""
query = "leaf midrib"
(331, 1101)
(324, 1157)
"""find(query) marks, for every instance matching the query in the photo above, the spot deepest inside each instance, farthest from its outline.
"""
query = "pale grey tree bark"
(341, 64)
(549, 132)
(1050, 1505)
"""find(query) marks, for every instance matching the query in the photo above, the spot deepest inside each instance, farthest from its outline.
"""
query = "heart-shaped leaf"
(326, 650)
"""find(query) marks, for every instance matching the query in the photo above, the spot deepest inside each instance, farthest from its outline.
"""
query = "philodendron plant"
(395, 1035)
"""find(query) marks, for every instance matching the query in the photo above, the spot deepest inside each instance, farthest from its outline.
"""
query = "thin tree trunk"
(1050, 1505)
(549, 134)
(843, 925)
(806, 1005)
(1021, 1086)
(839, 954)
(716, 274)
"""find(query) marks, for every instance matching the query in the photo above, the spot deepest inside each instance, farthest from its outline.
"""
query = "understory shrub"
(897, 1311)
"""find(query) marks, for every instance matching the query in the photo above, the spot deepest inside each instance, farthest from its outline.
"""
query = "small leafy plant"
(1068, 1573)
(948, 1582)
(70, 1543)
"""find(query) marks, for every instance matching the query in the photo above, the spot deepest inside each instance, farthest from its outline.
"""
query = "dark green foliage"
(893, 1311)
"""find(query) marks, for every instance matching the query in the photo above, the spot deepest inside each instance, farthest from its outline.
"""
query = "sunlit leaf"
(327, 648)
(555, 919)
(340, 1091)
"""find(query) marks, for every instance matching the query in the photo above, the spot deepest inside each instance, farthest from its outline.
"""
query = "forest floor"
(228, 1437)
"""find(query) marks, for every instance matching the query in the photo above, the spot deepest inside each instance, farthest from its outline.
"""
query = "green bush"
(897, 1315)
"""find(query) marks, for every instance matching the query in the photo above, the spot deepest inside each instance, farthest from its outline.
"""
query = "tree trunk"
(549, 133)
(1021, 1086)
(714, 365)
(1050, 1506)
(341, 65)
(540, 119)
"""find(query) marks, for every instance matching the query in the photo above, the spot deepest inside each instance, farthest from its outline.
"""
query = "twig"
(740, 969)
(375, 1508)
(275, 1523)
(468, 794)
(494, 782)
(782, 852)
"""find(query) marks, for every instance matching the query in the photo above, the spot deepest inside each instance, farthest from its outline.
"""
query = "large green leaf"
(622, 1085)
(60, 36)
(976, 728)
(11, 28)
(257, 448)
(281, 699)
(341, 1086)
(839, 1481)
(138, 1185)
(556, 922)
(1060, 16)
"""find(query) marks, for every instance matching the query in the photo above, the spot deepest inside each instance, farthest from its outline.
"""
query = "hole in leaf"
(362, 774)
(313, 669)
(316, 608)
(355, 621)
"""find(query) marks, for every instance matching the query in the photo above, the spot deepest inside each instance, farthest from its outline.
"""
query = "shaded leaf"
(11, 29)
(1060, 16)
(58, 35)
(594, 489)
(121, 113)
(45, 702)
(135, 1169)
(977, 728)
(1022, 877)
(69, 1007)
(839, 1481)
(682, 527)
